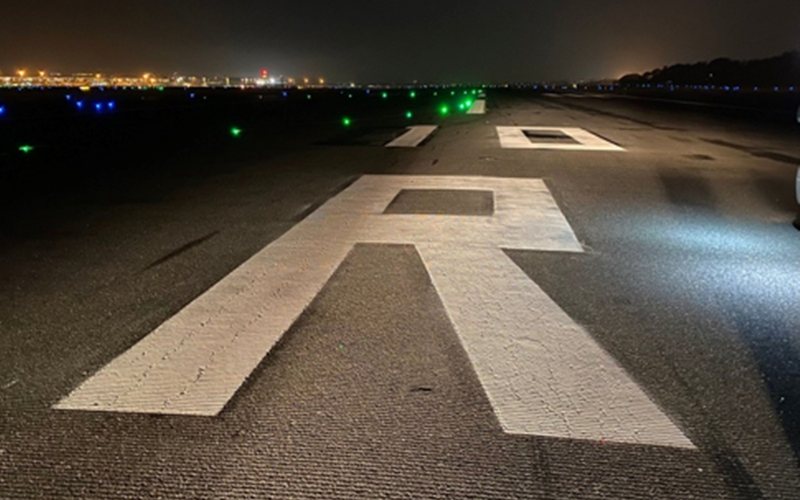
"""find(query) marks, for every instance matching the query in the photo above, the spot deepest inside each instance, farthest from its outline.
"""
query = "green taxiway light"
(25, 148)
(412, 94)
(384, 95)
(435, 94)
(236, 132)
(346, 121)
(452, 92)
(409, 115)
(444, 110)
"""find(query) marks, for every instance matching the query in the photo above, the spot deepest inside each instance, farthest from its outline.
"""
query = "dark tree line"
(781, 70)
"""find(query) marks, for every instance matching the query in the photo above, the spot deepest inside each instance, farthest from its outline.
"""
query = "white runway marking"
(413, 137)
(542, 372)
(515, 138)
(478, 108)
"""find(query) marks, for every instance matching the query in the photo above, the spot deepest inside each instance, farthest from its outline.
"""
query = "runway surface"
(542, 296)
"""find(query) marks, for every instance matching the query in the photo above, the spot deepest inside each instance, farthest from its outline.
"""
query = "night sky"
(426, 40)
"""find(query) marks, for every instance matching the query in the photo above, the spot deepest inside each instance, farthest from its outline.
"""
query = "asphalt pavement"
(603, 305)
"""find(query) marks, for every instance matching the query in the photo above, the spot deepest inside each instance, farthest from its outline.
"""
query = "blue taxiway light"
(2, 110)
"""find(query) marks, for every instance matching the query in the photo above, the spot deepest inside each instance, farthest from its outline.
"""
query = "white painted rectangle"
(478, 108)
(515, 138)
(413, 137)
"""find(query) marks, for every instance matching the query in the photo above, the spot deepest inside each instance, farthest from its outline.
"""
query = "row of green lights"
(347, 122)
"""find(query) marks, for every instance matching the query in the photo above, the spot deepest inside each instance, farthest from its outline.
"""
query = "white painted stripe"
(195, 362)
(478, 108)
(542, 372)
(413, 137)
(515, 138)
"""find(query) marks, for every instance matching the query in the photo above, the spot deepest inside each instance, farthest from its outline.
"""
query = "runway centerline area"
(567, 296)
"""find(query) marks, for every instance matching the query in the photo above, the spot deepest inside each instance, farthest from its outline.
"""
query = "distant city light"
(25, 149)
(236, 132)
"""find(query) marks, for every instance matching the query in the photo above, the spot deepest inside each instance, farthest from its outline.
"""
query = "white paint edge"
(413, 137)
